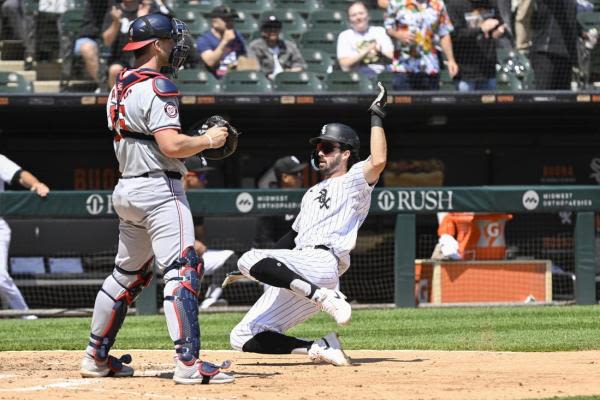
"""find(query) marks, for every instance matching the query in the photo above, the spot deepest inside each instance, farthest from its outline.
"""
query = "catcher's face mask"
(179, 53)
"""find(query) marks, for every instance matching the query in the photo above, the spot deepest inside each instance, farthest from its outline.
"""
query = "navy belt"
(322, 247)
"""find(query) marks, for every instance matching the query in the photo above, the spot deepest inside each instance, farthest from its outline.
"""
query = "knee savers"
(182, 287)
(118, 291)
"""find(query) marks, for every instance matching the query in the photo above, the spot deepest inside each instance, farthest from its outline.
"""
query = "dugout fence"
(63, 246)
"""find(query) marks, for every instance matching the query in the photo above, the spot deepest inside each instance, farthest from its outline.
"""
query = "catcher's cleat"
(111, 367)
(328, 349)
(334, 303)
(201, 372)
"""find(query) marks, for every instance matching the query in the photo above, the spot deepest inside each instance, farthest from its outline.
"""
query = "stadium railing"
(554, 224)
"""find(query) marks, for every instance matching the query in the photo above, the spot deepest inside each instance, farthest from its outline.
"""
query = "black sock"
(275, 273)
(269, 342)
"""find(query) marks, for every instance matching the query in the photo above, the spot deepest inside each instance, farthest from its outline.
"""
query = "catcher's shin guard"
(118, 291)
(182, 285)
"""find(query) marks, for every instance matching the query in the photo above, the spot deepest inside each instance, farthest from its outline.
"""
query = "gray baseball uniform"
(155, 218)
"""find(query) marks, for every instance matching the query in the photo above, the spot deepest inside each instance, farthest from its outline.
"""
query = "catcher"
(304, 269)
(155, 221)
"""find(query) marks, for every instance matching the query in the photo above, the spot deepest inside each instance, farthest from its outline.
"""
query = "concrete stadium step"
(12, 65)
(54, 86)
(46, 86)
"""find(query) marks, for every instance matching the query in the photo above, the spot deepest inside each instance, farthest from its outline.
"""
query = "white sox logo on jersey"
(323, 199)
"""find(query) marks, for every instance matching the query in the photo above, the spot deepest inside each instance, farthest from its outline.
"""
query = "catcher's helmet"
(148, 28)
(144, 30)
(339, 133)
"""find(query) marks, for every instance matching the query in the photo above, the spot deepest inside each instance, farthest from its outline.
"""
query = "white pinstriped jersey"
(332, 211)
(143, 111)
(8, 169)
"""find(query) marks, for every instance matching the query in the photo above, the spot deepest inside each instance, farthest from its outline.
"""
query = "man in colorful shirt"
(418, 26)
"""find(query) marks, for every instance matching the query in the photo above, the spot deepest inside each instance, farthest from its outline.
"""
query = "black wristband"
(376, 121)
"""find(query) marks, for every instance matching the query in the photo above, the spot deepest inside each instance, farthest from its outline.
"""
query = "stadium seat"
(376, 17)
(301, 82)
(446, 83)
(387, 78)
(245, 24)
(341, 5)
(254, 7)
(334, 20)
(304, 7)
(325, 41)
(246, 82)
(187, 13)
(317, 61)
(69, 24)
(197, 80)
(588, 20)
(508, 82)
(517, 64)
(12, 82)
(198, 26)
(204, 7)
(292, 23)
(339, 81)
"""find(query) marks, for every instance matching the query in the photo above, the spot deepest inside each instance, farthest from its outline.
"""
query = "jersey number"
(120, 121)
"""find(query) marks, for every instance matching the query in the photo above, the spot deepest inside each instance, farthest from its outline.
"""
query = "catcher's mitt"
(230, 143)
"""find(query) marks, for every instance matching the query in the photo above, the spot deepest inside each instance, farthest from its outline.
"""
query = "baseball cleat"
(328, 349)
(334, 303)
(112, 367)
(201, 372)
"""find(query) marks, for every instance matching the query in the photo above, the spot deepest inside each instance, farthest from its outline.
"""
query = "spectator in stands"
(214, 260)
(22, 23)
(287, 173)
(554, 47)
(418, 26)
(273, 53)
(221, 47)
(115, 32)
(12, 173)
(523, 32)
(86, 44)
(363, 48)
(477, 26)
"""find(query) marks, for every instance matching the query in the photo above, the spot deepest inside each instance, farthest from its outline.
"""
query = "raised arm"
(376, 163)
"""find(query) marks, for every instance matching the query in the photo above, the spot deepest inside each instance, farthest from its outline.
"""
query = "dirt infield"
(374, 375)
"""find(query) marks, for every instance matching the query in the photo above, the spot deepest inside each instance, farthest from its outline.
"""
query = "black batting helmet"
(339, 133)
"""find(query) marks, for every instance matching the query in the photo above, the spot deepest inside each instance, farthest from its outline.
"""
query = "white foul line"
(60, 385)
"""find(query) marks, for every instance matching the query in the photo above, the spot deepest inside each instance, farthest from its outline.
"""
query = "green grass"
(498, 329)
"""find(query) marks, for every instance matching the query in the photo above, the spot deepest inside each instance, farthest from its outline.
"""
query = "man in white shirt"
(363, 48)
(12, 173)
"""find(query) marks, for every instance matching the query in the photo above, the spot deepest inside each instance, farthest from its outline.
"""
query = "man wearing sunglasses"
(303, 270)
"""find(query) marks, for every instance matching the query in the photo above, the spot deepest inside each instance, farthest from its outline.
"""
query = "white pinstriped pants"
(280, 309)
(8, 290)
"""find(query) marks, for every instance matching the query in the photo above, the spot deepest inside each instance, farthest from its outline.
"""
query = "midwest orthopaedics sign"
(415, 200)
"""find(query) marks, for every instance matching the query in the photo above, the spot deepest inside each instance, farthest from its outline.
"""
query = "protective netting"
(72, 45)
(70, 279)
